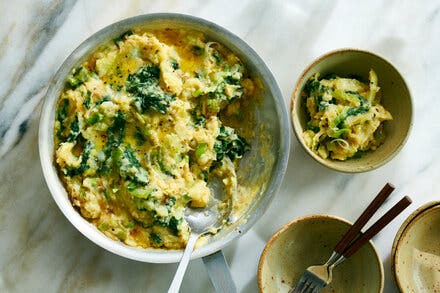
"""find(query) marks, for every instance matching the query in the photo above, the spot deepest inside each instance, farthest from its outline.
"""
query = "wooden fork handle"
(379, 225)
(354, 230)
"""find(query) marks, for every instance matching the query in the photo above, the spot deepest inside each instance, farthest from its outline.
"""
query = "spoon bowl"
(201, 220)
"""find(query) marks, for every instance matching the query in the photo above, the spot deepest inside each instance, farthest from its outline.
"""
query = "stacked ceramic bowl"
(415, 257)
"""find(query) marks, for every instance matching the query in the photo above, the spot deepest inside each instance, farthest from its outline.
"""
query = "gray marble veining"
(24, 83)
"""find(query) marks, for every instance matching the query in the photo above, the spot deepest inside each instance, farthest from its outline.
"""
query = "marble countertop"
(41, 251)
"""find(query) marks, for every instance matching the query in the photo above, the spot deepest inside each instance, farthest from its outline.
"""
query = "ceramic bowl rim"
(297, 129)
(288, 225)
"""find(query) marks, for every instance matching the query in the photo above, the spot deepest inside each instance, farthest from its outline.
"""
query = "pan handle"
(219, 273)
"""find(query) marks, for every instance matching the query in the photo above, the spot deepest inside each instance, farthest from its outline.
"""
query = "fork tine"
(317, 288)
(300, 285)
(308, 283)
(312, 288)
(306, 288)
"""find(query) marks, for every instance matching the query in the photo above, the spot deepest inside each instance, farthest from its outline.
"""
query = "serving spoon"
(201, 221)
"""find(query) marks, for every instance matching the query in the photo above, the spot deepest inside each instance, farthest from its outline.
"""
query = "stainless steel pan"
(263, 168)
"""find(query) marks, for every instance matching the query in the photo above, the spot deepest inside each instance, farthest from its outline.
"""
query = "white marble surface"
(41, 251)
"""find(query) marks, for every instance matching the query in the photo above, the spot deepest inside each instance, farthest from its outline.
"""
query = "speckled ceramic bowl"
(309, 241)
(415, 257)
(396, 98)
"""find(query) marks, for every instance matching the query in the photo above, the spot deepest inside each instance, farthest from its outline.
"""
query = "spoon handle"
(181, 269)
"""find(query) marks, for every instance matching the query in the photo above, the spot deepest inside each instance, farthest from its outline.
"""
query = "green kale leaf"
(228, 143)
(78, 76)
(87, 100)
(311, 86)
(115, 134)
(116, 131)
(62, 112)
(74, 130)
(170, 222)
(144, 86)
(156, 238)
(129, 166)
(88, 147)
(122, 37)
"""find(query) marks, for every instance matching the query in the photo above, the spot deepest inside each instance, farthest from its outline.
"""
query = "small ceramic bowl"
(310, 241)
(415, 257)
(396, 99)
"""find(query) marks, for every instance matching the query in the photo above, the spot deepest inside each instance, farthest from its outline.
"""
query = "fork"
(317, 277)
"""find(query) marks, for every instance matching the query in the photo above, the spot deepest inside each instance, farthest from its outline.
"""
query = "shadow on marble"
(251, 286)
(390, 285)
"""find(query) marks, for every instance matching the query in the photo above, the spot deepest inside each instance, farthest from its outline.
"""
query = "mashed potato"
(140, 131)
(346, 117)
